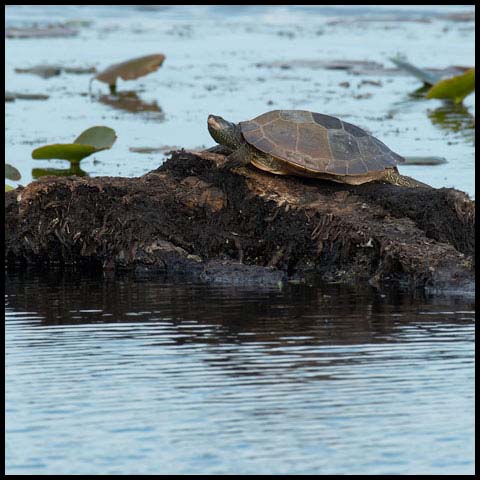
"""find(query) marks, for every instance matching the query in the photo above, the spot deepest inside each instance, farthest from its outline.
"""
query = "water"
(217, 62)
(155, 377)
(127, 376)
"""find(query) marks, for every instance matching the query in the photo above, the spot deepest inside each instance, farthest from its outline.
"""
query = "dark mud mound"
(243, 227)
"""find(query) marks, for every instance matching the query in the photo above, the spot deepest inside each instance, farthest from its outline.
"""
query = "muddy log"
(244, 227)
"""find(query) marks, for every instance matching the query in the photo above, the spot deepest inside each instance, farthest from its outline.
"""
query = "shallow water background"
(159, 377)
(153, 377)
(219, 60)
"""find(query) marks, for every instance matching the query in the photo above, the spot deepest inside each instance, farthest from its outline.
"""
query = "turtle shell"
(318, 143)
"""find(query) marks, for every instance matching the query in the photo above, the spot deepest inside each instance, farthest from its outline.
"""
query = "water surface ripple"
(159, 378)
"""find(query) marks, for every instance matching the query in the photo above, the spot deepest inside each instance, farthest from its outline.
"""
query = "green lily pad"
(92, 140)
(454, 88)
(100, 138)
(11, 172)
(73, 152)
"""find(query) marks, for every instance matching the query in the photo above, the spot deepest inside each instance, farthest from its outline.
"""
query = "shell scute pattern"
(296, 116)
(281, 133)
(343, 145)
(318, 142)
(327, 121)
(354, 130)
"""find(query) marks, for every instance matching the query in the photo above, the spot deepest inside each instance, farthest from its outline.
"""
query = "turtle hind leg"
(393, 176)
(238, 158)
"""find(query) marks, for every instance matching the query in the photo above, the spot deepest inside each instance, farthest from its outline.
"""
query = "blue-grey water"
(107, 376)
(155, 377)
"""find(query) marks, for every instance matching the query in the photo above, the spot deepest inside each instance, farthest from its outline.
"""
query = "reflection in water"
(455, 118)
(131, 102)
(59, 172)
(189, 378)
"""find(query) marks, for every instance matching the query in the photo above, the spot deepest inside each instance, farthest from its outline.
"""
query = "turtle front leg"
(221, 149)
(238, 158)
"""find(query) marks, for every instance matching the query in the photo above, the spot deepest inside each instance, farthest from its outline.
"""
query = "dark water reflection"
(154, 377)
(130, 101)
(59, 172)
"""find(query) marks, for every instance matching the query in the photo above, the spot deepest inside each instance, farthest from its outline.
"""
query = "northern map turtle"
(309, 144)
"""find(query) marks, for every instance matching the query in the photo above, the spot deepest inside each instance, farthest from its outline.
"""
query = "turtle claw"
(231, 163)
(236, 159)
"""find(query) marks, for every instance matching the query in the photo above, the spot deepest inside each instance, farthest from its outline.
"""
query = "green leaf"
(92, 140)
(11, 172)
(100, 138)
(454, 88)
(8, 188)
(73, 152)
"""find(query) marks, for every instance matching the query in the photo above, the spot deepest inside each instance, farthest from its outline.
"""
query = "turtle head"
(225, 133)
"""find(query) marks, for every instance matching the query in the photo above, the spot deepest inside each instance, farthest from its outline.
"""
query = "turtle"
(308, 144)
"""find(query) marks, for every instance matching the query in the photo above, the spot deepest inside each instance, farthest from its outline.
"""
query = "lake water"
(239, 62)
(130, 376)
(153, 377)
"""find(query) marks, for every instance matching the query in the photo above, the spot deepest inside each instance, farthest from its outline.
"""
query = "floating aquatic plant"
(47, 71)
(49, 31)
(12, 174)
(90, 141)
(129, 70)
(424, 160)
(454, 88)
(44, 71)
(11, 96)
